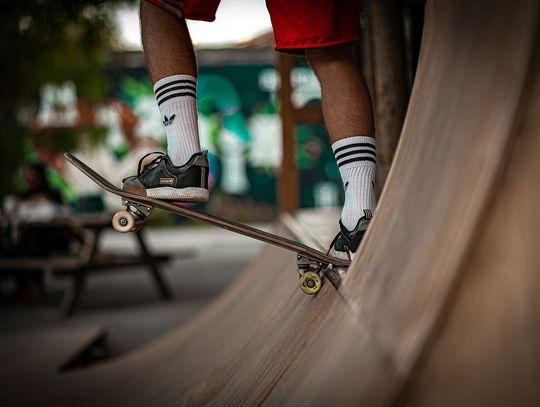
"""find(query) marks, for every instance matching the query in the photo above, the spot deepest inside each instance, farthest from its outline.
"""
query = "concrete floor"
(205, 261)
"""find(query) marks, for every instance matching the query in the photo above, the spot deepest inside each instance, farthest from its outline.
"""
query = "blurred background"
(73, 79)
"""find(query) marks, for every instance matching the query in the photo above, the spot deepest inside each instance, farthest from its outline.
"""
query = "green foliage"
(53, 41)
(12, 146)
(47, 41)
(132, 89)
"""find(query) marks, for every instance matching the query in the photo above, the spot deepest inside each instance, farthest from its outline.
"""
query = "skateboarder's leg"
(170, 59)
(181, 174)
(305, 26)
(348, 117)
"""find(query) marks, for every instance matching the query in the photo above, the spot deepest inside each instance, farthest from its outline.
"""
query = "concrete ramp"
(441, 305)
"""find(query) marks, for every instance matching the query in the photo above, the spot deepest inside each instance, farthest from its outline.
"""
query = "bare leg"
(345, 97)
(168, 49)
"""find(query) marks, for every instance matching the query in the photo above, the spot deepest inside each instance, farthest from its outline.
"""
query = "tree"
(46, 41)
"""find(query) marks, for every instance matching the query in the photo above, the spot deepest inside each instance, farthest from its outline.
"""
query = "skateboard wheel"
(125, 221)
(310, 283)
(137, 227)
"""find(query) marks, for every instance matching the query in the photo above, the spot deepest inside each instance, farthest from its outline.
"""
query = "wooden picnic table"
(88, 229)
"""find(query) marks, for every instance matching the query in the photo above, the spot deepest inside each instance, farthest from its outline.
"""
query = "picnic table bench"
(87, 229)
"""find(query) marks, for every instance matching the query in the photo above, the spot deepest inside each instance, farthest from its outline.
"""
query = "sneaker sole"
(190, 194)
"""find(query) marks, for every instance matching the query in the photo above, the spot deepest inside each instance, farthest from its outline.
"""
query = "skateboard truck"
(132, 218)
(311, 274)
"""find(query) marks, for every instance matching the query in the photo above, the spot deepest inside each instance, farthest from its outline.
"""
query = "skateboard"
(311, 263)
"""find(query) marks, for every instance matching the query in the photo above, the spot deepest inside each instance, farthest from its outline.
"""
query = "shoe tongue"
(153, 163)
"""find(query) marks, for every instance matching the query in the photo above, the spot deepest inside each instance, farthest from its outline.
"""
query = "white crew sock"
(176, 97)
(356, 159)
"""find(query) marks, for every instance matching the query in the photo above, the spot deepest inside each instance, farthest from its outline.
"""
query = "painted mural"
(239, 126)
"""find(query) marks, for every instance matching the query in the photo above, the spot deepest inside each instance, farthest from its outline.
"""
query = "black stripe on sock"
(166, 91)
(177, 82)
(366, 157)
(349, 153)
(175, 96)
(370, 145)
(358, 159)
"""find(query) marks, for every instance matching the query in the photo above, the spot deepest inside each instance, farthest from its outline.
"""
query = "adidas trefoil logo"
(168, 120)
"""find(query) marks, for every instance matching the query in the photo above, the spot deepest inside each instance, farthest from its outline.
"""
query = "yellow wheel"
(125, 221)
(310, 283)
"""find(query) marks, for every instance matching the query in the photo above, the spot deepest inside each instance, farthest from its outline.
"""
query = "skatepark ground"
(440, 307)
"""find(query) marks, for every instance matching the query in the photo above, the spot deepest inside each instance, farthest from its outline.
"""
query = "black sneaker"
(348, 241)
(161, 179)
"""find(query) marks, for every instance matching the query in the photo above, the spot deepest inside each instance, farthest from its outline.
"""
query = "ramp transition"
(440, 306)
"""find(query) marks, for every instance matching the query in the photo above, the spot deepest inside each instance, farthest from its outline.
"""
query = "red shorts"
(298, 24)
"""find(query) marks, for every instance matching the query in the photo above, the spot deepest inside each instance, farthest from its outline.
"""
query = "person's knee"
(147, 6)
(329, 54)
(155, 8)
(326, 60)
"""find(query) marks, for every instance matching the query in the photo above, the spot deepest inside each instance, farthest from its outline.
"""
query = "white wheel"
(124, 221)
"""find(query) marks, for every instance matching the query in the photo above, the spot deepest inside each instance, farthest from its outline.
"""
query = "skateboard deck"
(311, 262)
